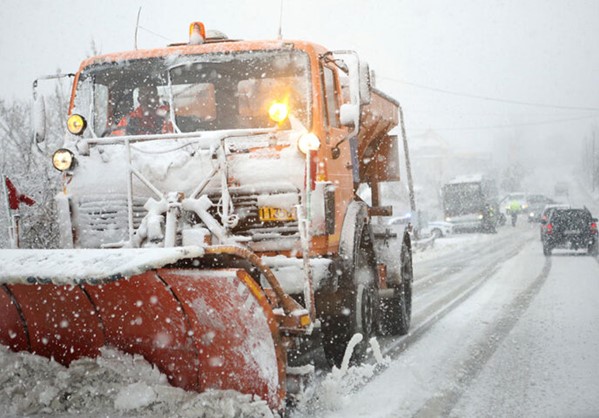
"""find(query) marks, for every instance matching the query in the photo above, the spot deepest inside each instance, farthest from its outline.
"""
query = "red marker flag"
(14, 198)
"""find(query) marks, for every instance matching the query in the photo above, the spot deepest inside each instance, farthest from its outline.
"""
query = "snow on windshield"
(193, 92)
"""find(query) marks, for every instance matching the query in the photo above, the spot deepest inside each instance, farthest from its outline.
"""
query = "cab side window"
(332, 107)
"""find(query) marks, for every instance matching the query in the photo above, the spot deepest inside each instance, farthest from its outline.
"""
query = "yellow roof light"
(278, 111)
(197, 33)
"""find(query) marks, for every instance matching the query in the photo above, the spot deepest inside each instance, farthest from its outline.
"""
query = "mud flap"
(204, 329)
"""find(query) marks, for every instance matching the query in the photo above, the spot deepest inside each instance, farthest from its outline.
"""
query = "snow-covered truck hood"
(269, 161)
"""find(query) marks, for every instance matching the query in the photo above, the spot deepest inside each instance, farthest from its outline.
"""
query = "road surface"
(498, 330)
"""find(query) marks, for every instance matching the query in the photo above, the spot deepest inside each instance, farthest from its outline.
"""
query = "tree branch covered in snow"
(29, 167)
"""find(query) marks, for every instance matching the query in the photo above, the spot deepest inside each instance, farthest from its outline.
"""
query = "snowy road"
(498, 330)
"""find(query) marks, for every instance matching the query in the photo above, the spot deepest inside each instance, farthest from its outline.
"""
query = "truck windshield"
(189, 93)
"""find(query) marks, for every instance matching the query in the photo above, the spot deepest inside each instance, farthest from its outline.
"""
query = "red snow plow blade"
(204, 328)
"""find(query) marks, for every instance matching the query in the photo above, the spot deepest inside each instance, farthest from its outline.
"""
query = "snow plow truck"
(234, 225)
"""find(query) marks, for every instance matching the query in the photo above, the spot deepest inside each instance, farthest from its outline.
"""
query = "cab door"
(339, 169)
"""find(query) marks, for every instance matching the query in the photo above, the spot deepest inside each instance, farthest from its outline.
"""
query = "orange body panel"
(12, 326)
(60, 322)
(141, 316)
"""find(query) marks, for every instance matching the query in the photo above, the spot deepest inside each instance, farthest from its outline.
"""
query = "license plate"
(268, 214)
(572, 231)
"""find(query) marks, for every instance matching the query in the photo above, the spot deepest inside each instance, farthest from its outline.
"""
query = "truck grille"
(104, 220)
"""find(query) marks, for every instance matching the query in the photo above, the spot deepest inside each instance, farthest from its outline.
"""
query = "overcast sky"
(477, 72)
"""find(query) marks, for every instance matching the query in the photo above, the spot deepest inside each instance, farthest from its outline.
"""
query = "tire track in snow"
(434, 312)
(482, 352)
(436, 308)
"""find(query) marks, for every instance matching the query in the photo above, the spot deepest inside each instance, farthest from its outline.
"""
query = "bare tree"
(29, 167)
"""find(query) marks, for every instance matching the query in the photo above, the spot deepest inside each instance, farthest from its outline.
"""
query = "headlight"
(308, 142)
(278, 111)
(480, 216)
(63, 159)
(76, 124)
(448, 219)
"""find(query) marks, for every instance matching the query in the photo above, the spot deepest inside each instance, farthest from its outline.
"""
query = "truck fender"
(356, 225)
(341, 276)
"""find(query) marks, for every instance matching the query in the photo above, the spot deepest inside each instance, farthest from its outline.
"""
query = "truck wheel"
(358, 316)
(363, 319)
(358, 308)
(546, 250)
(593, 249)
(397, 311)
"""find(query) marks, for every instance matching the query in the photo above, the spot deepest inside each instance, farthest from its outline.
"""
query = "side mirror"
(39, 107)
(358, 72)
(39, 120)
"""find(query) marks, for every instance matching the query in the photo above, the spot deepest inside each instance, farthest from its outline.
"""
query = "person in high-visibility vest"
(515, 208)
(149, 118)
(488, 221)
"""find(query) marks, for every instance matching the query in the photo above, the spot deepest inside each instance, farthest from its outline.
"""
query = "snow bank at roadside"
(114, 384)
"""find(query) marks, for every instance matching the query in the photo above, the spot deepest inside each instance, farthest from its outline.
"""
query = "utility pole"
(409, 172)
(408, 165)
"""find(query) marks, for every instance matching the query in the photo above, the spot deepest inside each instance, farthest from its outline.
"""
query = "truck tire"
(546, 249)
(357, 311)
(396, 312)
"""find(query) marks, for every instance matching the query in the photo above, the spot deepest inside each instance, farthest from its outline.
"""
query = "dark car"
(546, 213)
(570, 228)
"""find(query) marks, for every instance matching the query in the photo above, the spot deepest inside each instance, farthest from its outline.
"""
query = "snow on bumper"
(290, 272)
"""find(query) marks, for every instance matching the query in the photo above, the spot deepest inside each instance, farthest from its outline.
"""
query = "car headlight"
(63, 159)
